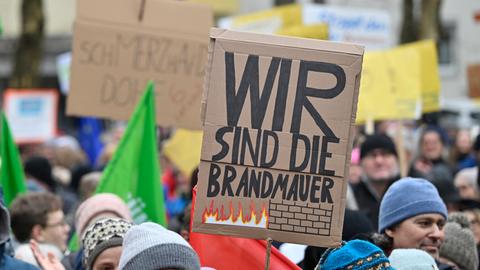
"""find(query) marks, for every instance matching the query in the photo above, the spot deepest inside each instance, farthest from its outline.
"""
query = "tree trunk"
(430, 20)
(283, 2)
(28, 53)
(409, 31)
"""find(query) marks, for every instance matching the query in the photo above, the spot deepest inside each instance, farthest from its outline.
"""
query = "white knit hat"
(412, 259)
(149, 246)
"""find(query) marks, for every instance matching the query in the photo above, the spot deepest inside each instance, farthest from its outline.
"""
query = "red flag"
(233, 253)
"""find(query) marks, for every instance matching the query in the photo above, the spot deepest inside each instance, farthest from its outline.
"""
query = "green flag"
(12, 178)
(133, 173)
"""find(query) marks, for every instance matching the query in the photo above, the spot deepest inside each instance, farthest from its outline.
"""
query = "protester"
(459, 248)
(38, 171)
(412, 215)
(466, 184)
(88, 185)
(149, 246)
(354, 255)
(412, 259)
(355, 170)
(100, 206)
(461, 155)
(380, 165)
(103, 243)
(97, 207)
(7, 261)
(473, 216)
(430, 163)
(39, 216)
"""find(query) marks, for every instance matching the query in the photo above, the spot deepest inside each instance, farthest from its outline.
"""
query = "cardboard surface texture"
(115, 55)
(278, 115)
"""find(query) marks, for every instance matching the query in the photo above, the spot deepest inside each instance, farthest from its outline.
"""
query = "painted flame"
(251, 219)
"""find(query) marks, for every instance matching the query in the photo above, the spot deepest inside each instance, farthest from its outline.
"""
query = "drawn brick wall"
(300, 217)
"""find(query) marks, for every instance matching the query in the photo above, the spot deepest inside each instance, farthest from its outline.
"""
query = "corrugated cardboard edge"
(294, 42)
(206, 83)
(195, 17)
(350, 144)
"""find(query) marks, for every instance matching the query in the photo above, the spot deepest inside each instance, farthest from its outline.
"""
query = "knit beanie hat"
(459, 244)
(354, 255)
(412, 259)
(377, 141)
(97, 204)
(101, 235)
(40, 168)
(406, 198)
(150, 246)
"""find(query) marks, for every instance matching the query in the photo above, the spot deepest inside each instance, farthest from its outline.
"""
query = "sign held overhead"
(278, 115)
(115, 54)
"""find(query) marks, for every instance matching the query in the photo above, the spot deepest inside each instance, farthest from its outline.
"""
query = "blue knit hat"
(354, 255)
(406, 198)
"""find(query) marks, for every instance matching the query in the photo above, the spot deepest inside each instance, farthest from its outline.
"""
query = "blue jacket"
(7, 262)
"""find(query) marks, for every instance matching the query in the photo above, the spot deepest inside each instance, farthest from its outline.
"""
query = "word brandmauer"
(260, 183)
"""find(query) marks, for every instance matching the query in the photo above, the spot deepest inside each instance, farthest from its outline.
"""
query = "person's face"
(355, 174)
(474, 225)
(56, 230)
(465, 190)
(380, 164)
(421, 232)
(108, 259)
(432, 146)
(463, 142)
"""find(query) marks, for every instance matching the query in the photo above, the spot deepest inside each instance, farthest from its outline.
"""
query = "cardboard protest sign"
(32, 114)
(278, 115)
(115, 54)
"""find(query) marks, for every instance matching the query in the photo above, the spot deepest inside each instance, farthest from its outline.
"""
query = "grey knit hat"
(101, 235)
(150, 246)
(459, 244)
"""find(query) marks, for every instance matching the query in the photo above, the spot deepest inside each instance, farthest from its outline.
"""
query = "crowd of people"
(424, 213)
(433, 208)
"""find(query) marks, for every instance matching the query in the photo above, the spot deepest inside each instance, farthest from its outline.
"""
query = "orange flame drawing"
(252, 219)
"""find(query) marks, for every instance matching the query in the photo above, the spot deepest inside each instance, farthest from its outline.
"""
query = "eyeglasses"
(57, 224)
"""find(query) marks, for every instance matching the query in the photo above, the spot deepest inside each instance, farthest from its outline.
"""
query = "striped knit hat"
(101, 235)
(354, 255)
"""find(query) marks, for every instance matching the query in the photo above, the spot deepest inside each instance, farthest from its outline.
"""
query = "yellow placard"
(289, 14)
(390, 87)
(430, 79)
(221, 7)
(316, 31)
(183, 149)
(269, 21)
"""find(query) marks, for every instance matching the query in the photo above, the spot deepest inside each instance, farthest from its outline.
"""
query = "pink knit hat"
(97, 204)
